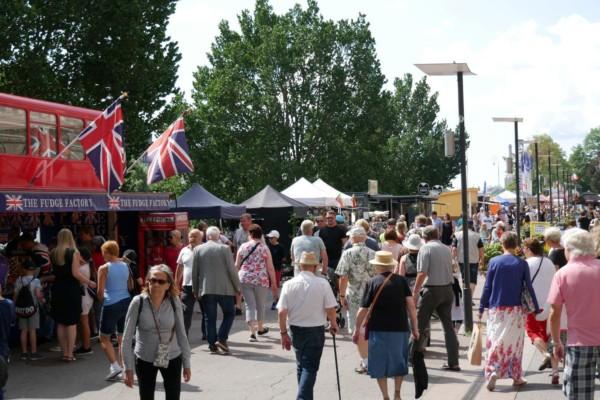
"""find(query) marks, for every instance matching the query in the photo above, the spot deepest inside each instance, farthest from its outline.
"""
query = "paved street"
(260, 371)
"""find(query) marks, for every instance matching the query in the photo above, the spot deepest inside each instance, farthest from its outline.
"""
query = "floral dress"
(253, 270)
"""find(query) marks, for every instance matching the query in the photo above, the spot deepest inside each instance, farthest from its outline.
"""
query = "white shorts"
(86, 304)
(351, 315)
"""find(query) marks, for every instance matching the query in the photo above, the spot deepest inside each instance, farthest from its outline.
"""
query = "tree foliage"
(296, 95)
(585, 161)
(87, 52)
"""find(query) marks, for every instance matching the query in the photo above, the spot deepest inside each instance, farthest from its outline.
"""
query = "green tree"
(86, 53)
(585, 161)
(288, 96)
(415, 148)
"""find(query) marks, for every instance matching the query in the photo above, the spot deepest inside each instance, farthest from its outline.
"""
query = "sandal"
(454, 368)
(520, 382)
(68, 359)
(360, 369)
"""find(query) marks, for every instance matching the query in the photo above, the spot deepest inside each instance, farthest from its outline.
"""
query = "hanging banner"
(33, 202)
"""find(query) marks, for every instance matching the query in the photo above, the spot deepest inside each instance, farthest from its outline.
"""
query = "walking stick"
(337, 370)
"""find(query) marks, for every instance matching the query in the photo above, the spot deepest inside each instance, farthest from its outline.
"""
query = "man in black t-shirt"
(334, 237)
(584, 221)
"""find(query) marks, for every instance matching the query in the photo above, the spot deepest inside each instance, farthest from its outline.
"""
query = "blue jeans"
(209, 306)
(308, 345)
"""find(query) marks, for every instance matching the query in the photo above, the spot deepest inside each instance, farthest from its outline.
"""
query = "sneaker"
(213, 349)
(222, 344)
(83, 352)
(114, 374)
(24, 356)
(555, 378)
(253, 338)
(491, 385)
(264, 331)
(35, 356)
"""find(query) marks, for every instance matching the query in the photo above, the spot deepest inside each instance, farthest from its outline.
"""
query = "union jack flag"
(43, 142)
(169, 154)
(114, 203)
(102, 141)
(14, 203)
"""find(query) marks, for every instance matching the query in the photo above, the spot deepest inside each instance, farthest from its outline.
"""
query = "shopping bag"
(474, 353)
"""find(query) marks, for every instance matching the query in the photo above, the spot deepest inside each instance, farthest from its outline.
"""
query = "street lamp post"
(550, 181)
(537, 179)
(559, 213)
(515, 121)
(459, 69)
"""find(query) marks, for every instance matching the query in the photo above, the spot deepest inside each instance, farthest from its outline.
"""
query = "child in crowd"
(87, 301)
(30, 325)
(7, 319)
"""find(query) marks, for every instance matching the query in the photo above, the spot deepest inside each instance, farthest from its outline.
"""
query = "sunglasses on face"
(154, 281)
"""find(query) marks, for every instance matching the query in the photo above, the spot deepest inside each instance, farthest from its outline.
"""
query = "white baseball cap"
(273, 234)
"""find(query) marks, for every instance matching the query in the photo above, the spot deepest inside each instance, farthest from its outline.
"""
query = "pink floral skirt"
(504, 342)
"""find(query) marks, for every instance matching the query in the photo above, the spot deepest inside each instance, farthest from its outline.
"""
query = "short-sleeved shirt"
(304, 243)
(332, 237)
(435, 260)
(171, 256)
(558, 257)
(306, 297)
(240, 237)
(253, 271)
(186, 258)
(475, 243)
(576, 286)
(277, 254)
(389, 313)
(355, 265)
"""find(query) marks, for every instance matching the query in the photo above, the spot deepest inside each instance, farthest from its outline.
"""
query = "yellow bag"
(474, 353)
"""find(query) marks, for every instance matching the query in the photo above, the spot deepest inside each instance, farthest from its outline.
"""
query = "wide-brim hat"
(384, 258)
(308, 258)
(414, 242)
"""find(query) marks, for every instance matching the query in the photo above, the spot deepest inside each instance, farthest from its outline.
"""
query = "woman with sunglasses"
(155, 317)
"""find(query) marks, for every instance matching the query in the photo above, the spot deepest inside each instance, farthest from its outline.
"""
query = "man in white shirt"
(183, 276)
(306, 303)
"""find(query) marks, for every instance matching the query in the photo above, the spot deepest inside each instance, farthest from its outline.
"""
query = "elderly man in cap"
(306, 303)
(434, 276)
(354, 271)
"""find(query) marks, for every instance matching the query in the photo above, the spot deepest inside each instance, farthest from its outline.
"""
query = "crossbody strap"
(249, 254)
(538, 270)
(157, 326)
(370, 312)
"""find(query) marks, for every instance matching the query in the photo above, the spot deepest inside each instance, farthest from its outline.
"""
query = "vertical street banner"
(526, 166)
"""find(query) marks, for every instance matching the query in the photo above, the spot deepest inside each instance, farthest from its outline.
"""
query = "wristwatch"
(283, 333)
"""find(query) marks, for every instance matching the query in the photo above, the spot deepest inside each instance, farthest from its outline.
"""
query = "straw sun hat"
(308, 258)
(383, 258)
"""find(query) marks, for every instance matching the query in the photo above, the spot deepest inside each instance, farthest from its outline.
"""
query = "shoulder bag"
(526, 298)
(370, 311)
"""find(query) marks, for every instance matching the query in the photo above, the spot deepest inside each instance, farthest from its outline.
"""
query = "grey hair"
(307, 226)
(552, 235)
(579, 243)
(430, 232)
(213, 233)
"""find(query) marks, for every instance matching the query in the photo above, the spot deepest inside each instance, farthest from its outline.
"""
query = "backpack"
(25, 306)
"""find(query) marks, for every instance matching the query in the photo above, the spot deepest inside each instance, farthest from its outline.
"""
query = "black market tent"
(271, 198)
(273, 210)
(200, 203)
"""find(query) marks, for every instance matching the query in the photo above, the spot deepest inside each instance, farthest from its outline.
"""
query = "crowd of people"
(385, 286)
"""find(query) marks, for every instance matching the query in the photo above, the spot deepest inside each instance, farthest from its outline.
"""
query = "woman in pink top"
(257, 274)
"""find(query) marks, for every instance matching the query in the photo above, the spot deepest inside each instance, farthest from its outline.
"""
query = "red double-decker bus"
(32, 132)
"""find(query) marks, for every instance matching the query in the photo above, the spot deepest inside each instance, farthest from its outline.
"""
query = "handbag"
(526, 298)
(370, 311)
(475, 346)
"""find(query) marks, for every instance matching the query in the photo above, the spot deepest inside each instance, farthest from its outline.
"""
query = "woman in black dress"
(447, 230)
(66, 291)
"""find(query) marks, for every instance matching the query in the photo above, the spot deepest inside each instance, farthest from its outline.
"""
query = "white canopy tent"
(307, 193)
(333, 192)
(506, 197)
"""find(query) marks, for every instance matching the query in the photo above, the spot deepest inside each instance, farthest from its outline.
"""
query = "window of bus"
(13, 131)
(42, 128)
(69, 130)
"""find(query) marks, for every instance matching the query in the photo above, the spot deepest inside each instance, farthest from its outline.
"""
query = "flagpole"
(75, 140)
(183, 114)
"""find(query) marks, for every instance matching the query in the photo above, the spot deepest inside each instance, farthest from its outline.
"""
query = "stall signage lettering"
(143, 203)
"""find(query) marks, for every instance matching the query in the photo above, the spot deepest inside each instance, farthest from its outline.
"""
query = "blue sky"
(539, 60)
